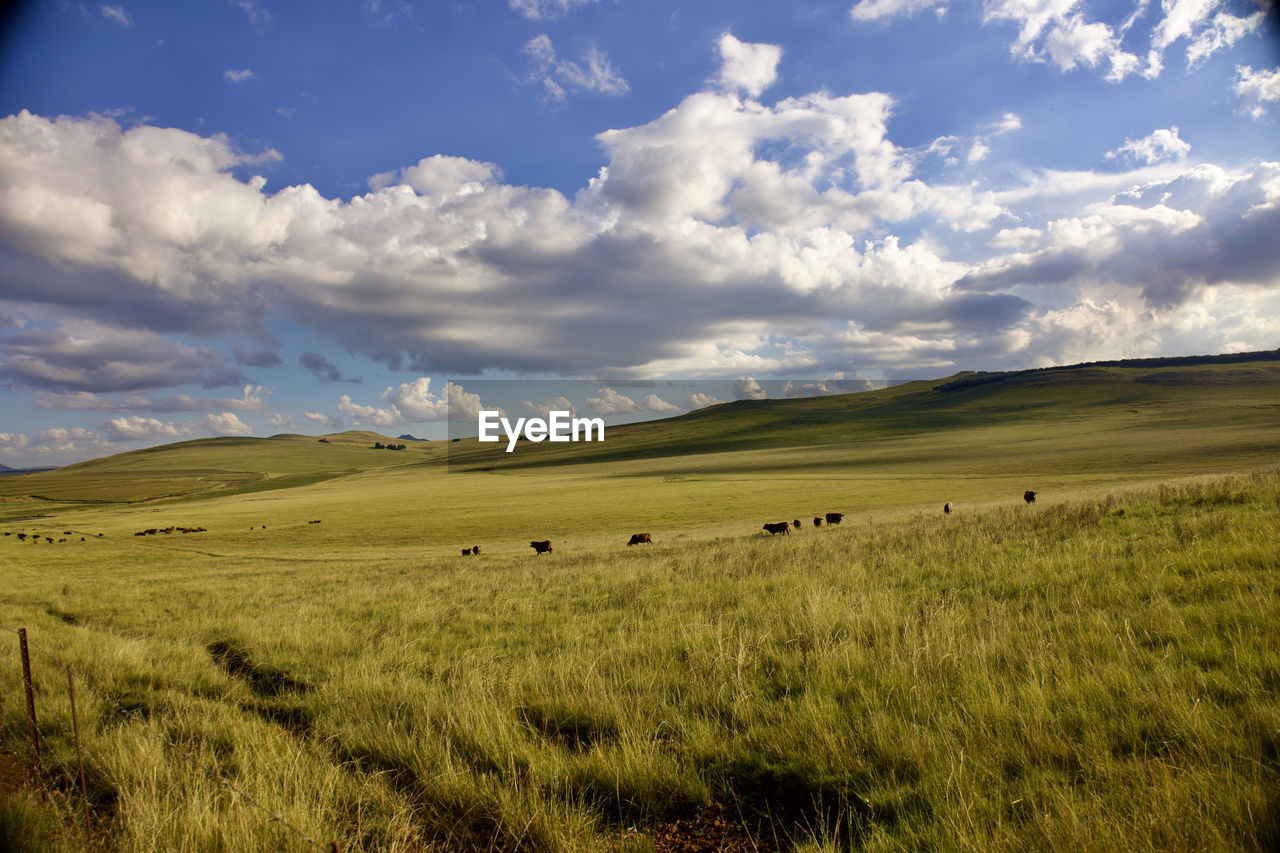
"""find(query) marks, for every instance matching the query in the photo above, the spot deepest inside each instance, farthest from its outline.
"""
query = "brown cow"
(834, 517)
(1029, 496)
(946, 507)
(641, 539)
(541, 547)
(777, 527)
(817, 521)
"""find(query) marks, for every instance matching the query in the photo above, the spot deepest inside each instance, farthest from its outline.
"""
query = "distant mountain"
(5, 469)
(407, 437)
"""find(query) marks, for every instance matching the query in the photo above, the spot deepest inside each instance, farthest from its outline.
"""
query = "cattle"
(777, 527)
(541, 547)
(66, 533)
(466, 552)
(1029, 496)
(641, 539)
(796, 523)
(946, 508)
(22, 537)
(817, 521)
(317, 521)
(8, 533)
(63, 539)
(834, 517)
(49, 539)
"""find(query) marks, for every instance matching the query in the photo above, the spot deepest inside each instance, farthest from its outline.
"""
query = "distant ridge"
(971, 379)
(5, 469)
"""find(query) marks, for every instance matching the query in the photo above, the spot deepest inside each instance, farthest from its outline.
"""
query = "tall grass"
(1090, 674)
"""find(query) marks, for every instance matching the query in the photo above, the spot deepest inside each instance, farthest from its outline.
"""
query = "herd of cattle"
(539, 547)
(773, 528)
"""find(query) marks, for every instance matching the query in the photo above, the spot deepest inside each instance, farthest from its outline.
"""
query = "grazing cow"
(466, 552)
(475, 549)
(49, 539)
(777, 527)
(1029, 496)
(63, 539)
(796, 524)
(317, 521)
(946, 508)
(8, 533)
(22, 537)
(541, 547)
(817, 521)
(834, 517)
(641, 538)
(141, 533)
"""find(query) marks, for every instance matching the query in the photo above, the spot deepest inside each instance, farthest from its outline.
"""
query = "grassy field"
(1097, 671)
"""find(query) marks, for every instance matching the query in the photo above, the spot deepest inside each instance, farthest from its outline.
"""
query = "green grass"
(1097, 671)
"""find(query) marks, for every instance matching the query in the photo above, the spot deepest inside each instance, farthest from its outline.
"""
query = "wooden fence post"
(31, 700)
(84, 789)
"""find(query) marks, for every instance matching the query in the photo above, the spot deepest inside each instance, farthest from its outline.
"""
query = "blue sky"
(252, 217)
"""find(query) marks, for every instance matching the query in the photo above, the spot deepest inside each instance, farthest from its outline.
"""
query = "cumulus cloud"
(701, 401)
(748, 389)
(556, 404)
(361, 415)
(54, 446)
(138, 428)
(705, 246)
(414, 402)
(751, 68)
(559, 76)
(540, 10)
(610, 402)
(319, 418)
(279, 422)
(1257, 88)
(658, 406)
(239, 76)
(324, 369)
(1163, 144)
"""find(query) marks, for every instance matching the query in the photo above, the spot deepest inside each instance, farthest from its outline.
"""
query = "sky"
(250, 217)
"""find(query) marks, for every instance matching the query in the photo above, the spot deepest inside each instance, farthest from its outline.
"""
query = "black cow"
(1029, 496)
(946, 507)
(640, 539)
(817, 521)
(541, 547)
(777, 527)
(834, 517)
(796, 524)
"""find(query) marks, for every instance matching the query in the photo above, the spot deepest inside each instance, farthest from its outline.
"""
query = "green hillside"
(1161, 413)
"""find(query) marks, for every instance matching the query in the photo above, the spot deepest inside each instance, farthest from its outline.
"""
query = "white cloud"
(136, 427)
(117, 14)
(701, 401)
(538, 10)
(279, 422)
(413, 401)
(748, 389)
(239, 76)
(1016, 238)
(1160, 145)
(658, 406)
(874, 10)
(259, 17)
(318, 417)
(749, 67)
(558, 76)
(1007, 123)
(369, 415)
(556, 404)
(610, 402)
(224, 423)
(1257, 88)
